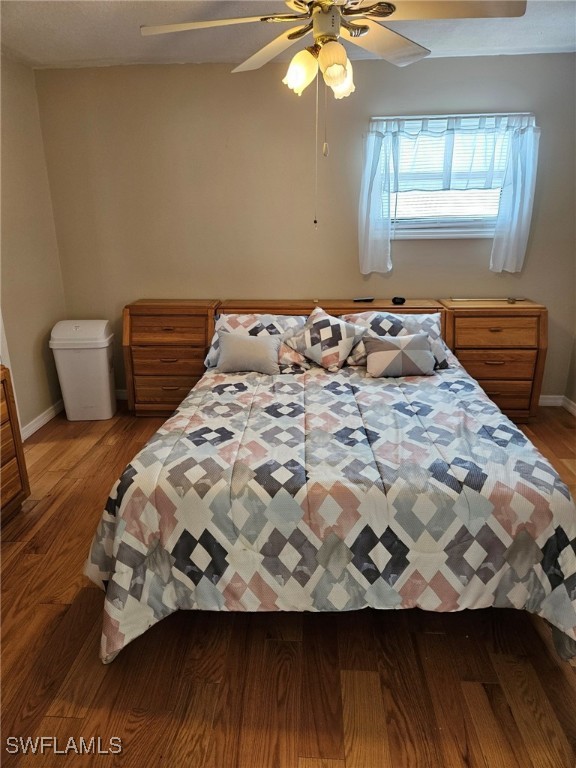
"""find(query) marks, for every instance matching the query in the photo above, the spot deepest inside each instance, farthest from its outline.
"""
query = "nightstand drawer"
(11, 481)
(509, 395)
(506, 364)
(7, 445)
(164, 329)
(163, 389)
(496, 331)
(161, 361)
(502, 344)
(165, 343)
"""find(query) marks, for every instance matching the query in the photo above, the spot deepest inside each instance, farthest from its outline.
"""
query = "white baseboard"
(34, 425)
(552, 400)
(558, 400)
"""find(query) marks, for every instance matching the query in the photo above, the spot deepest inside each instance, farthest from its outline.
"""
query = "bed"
(364, 468)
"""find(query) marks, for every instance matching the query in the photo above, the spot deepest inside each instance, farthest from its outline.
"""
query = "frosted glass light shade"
(302, 70)
(347, 86)
(332, 60)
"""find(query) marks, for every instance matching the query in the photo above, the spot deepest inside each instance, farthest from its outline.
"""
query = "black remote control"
(366, 299)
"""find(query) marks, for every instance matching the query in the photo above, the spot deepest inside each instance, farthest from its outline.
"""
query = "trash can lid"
(81, 334)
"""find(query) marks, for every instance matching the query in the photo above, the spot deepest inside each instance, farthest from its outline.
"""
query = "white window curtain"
(475, 152)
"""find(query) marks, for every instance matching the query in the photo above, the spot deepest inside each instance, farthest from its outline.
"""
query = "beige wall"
(32, 290)
(188, 181)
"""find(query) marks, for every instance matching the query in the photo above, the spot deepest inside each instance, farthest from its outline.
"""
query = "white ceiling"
(81, 33)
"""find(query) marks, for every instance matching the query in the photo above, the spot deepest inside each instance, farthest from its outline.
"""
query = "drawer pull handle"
(496, 330)
(168, 328)
(167, 389)
(168, 359)
(494, 362)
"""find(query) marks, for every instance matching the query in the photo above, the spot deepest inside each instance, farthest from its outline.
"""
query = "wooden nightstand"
(165, 342)
(15, 486)
(502, 345)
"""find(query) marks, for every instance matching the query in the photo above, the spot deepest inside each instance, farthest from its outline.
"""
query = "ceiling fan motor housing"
(326, 23)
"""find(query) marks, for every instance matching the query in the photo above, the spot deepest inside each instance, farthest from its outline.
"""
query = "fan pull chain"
(325, 147)
(316, 163)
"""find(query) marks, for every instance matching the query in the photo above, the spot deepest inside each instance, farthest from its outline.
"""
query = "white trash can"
(83, 354)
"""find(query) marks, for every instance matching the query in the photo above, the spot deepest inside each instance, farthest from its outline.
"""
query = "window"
(448, 176)
(445, 213)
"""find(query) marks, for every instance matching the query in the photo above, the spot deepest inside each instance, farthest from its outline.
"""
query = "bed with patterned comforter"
(323, 491)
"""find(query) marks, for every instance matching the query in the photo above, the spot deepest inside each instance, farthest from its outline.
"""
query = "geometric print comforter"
(326, 491)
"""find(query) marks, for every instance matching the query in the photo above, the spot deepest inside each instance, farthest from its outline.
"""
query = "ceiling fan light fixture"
(325, 19)
(301, 72)
(332, 60)
(347, 87)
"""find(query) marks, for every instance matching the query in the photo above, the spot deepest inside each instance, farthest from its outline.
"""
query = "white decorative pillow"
(399, 356)
(256, 325)
(379, 324)
(239, 352)
(325, 339)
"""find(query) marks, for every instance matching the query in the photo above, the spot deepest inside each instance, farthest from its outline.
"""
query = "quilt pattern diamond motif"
(335, 491)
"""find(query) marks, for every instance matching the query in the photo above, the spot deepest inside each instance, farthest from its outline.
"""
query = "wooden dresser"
(502, 345)
(165, 342)
(15, 486)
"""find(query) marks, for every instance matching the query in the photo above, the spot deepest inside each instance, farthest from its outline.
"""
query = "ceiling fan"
(359, 20)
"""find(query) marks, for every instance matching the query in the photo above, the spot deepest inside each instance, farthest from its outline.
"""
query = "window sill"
(436, 234)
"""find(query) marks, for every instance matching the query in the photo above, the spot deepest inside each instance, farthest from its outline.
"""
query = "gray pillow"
(399, 356)
(239, 352)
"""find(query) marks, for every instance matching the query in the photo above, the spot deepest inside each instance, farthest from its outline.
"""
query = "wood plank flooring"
(387, 689)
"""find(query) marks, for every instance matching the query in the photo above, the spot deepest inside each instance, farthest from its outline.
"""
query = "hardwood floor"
(397, 689)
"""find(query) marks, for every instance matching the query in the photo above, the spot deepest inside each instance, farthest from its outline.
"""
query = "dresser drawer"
(4, 416)
(509, 395)
(169, 329)
(516, 331)
(15, 485)
(163, 389)
(506, 364)
(172, 361)
(11, 481)
(7, 445)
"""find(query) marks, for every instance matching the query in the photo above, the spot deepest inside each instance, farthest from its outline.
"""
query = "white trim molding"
(33, 426)
(558, 400)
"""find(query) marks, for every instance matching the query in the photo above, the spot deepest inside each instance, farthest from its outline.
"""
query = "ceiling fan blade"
(418, 10)
(388, 45)
(164, 28)
(300, 6)
(275, 47)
